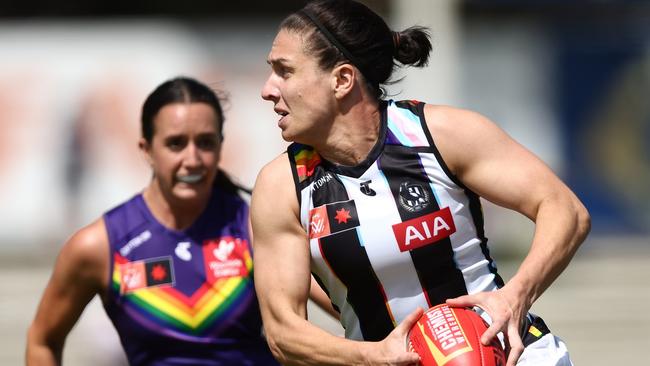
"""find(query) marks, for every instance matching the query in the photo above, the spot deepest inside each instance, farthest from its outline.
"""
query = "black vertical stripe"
(349, 261)
(434, 263)
(477, 217)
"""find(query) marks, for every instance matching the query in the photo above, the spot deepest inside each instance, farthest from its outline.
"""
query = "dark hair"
(178, 90)
(346, 30)
(185, 90)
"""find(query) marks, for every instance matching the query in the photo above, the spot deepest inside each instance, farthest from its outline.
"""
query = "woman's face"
(185, 150)
(299, 89)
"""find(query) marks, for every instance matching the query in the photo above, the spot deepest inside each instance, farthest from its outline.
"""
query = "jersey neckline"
(142, 204)
(357, 171)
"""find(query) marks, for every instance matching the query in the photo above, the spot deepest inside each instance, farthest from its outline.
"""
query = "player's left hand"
(507, 312)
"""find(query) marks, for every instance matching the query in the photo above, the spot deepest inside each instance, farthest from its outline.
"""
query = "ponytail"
(412, 46)
(226, 184)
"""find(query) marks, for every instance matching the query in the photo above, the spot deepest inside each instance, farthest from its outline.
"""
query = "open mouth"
(280, 112)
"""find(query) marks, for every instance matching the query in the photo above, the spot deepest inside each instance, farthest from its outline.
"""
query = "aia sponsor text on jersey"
(424, 230)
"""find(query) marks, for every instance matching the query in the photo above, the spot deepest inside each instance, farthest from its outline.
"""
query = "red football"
(451, 336)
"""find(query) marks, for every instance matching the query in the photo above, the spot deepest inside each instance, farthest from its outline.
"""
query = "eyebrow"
(280, 60)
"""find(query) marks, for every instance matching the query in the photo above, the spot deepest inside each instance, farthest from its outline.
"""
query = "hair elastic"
(396, 37)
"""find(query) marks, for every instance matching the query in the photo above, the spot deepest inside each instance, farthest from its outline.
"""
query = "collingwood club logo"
(364, 187)
(413, 197)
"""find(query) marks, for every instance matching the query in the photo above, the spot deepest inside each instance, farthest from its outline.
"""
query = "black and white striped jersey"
(395, 232)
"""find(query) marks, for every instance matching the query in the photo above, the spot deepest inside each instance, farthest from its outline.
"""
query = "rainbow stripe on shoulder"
(405, 124)
(306, 159)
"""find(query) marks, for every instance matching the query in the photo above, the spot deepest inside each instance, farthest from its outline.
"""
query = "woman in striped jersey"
(173, 264)
(379, 200)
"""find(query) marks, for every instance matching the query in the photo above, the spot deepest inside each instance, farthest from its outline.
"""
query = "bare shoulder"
(274, 178)
(85, 256)
(462, 135)
(278, 168)
(274, 204)
(88, 242)
(451, 121)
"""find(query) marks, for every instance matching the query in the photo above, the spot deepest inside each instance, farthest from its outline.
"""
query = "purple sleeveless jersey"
(185, 297)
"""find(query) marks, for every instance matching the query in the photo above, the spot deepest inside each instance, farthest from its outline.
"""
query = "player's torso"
(183, 295)
(393, 233)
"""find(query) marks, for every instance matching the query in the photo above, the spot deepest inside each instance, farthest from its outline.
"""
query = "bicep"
(77, 276)
(281, 260)
(495, 166)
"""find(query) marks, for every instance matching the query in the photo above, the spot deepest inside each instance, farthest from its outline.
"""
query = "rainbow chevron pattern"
(188, 314)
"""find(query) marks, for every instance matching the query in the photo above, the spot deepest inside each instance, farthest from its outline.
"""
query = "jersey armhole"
(111, 262)
(294, 172)
(434, 148)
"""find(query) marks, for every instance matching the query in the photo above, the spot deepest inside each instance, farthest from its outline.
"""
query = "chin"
(292, 137)
(192, 194)
(286, 136)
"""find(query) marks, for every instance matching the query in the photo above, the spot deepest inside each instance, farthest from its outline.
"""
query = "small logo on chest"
(364, 187)
(225, 257)
(182, 251)
(413, 197)
(332, 218)
(146, 273)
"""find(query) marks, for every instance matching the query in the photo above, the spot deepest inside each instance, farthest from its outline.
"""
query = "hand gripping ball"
(451, 337)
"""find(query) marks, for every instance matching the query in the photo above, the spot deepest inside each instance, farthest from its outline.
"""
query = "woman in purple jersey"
(173, 264)
(328, 62)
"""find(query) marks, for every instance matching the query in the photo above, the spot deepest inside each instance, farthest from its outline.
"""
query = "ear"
(145, 149)
(343, 80)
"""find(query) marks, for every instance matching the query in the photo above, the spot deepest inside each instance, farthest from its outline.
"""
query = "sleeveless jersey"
(395, 232)
(185, 297)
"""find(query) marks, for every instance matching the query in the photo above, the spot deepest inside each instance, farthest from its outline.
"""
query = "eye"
(176, 143)
(208, 142)
(282, 70)
(286, 72)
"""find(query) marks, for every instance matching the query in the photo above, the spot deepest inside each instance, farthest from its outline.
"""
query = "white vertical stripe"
(306, 205)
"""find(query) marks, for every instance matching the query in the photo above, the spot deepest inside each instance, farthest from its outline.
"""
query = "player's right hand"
(392, 349)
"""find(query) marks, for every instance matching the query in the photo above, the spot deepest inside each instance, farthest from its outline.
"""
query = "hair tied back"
(396, 39)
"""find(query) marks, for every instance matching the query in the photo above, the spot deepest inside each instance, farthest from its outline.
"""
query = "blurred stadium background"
(568, 79)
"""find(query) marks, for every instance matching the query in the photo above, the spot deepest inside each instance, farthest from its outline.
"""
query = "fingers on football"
(410, 358)
(515, 344)
(462, 301)
(413, 317)
(492, 331)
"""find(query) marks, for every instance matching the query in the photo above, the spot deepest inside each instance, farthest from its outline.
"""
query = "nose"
(270, 92)
(192, 158)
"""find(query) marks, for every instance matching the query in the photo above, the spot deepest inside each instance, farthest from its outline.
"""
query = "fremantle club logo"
(413, 197)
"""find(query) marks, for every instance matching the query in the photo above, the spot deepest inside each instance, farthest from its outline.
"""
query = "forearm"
(561, 226)
(295, 341)
(41, 353)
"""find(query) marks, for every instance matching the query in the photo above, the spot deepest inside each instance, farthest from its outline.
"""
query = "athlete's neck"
(353, 135)
(170, 211)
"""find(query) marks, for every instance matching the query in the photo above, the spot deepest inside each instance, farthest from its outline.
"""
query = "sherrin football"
(451, 336)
